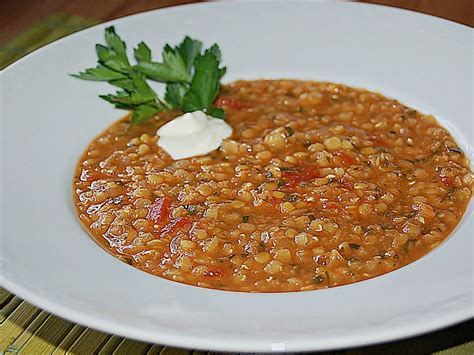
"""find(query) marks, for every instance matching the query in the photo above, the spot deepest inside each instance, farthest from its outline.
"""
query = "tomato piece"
(345, 159)
(175, 225)
(346, 184)
(291, 178)
(303, 173)
(332, 206)
(179, 223)
(270, 207)
(230, 102)
(159, 210)
(379, 140)
(447, 180)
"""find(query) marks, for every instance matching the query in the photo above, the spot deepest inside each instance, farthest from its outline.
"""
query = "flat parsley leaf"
(136, 92)
(189, 49)
(143, 112)
(100, 73)
(174, 94)
(113, 55)
(172, 69)
(125, 83)
(192, 78)
(142, 53)
(116, 44)
(204, 84)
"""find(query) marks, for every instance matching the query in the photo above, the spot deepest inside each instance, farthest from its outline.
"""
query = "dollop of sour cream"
(191, 134)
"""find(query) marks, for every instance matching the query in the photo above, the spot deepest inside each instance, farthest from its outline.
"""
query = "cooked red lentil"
(320, 185)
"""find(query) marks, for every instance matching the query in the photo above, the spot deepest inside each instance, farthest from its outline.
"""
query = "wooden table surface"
(17, 15)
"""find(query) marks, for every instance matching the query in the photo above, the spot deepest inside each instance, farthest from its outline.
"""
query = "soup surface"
(320, 185)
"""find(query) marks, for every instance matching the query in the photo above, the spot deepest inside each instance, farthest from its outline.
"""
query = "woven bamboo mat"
(26, 329)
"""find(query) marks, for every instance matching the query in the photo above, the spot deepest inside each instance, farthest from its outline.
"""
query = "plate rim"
(191, 342)
(224, 3)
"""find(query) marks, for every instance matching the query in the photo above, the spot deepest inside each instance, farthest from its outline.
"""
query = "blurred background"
(28, 24)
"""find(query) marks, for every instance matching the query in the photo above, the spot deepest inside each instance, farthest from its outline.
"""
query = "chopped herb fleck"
(318, 279)
(409, 243)
(327, 276)
(128, 261)
(289, 131)
(191, 209)
(245, 219)
(282, 168)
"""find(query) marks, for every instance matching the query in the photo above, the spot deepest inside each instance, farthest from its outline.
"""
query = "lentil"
(320, 185)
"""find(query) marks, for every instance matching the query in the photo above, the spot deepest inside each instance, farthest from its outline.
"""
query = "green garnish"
(245, 219)
(318, 279)
(290, 131)
(354, 246)
(192, 77)
(192, 209)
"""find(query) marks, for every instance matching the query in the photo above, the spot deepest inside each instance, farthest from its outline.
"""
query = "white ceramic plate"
(48, 118)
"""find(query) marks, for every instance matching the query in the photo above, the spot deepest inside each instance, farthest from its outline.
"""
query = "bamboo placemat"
(26, 329)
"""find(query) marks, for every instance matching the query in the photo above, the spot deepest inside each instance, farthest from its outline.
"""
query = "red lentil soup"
(320, 185)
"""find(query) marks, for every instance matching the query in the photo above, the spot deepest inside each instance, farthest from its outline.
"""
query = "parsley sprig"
(191, 75)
